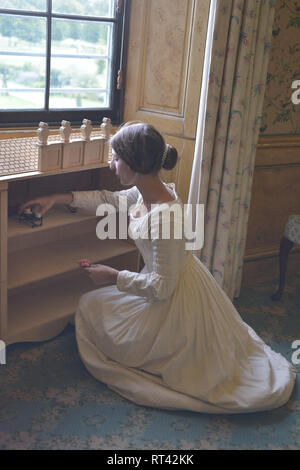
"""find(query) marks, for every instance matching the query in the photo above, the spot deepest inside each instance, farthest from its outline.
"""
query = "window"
(59, 59)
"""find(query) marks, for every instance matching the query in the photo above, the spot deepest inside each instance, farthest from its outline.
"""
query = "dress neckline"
(176, 199)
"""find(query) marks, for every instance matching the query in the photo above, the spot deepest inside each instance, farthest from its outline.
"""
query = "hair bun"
(171, 158)
(143, 148)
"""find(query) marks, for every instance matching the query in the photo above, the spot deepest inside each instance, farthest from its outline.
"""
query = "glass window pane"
(21, 99)
(81, 37)
(22, 62)
(103, 8)
(80, 64)
(79, 100)
(79, 83)
(30, 5)
(22, 34)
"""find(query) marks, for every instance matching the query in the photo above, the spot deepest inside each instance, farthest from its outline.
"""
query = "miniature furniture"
(40, 280)
(291, 236)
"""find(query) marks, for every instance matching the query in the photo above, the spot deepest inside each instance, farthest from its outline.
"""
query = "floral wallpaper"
(280, 114)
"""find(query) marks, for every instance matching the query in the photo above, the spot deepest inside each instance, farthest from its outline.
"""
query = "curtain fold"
(233, 85)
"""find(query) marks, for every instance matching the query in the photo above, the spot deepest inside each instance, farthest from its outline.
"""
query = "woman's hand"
(45, 202)
(101, 274)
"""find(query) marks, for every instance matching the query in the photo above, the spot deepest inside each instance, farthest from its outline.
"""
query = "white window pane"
(80, 64)
(79, 83)
(22, 62)
(22, 34)
(81, 37)
(78, 100)
(104, 8)
(22, 99)
(30, 5)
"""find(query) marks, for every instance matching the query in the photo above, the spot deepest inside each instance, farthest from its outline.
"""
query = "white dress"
(169, 337)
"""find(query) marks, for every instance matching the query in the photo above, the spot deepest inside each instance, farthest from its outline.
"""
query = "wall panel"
(164, 74)
(275, 196)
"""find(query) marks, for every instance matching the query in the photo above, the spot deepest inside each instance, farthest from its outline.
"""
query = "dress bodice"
(158, 235)
(146, 228)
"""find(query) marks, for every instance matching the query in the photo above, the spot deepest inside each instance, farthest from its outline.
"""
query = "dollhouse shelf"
(58, 216)
(34, 173)
(44, 281)
(57, 258)
(42, 311)
(64, 151)
(40, 280)
(21, 155)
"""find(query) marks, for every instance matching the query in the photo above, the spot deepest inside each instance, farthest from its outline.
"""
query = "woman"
(167, 337)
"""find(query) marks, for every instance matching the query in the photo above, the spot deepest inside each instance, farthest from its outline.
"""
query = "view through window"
(58, 55)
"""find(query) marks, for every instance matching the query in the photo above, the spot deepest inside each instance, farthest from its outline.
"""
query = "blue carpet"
(49, 401)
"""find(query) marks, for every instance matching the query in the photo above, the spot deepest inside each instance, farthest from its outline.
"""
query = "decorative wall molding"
(278, 141)
(277, 151)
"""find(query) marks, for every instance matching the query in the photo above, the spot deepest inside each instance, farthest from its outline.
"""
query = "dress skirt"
(191, 351)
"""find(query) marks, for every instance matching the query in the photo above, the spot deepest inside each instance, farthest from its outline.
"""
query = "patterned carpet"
(49, 401)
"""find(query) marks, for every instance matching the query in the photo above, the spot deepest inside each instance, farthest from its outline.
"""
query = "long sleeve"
(169, 257)
(90, 200)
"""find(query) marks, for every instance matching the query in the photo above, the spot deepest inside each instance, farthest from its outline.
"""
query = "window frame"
(31, 117)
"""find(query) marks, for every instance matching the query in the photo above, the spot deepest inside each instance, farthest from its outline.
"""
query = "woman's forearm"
(65, 198)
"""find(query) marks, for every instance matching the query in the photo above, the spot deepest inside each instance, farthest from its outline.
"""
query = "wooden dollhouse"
(40, 281)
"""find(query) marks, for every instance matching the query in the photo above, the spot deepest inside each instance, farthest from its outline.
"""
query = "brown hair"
(142, 147)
